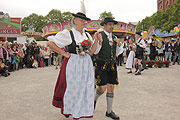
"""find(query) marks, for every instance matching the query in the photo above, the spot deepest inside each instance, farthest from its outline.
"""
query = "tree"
(67, 16)
(164, 20)
(105, 14)
(54, 16)
(33, 21)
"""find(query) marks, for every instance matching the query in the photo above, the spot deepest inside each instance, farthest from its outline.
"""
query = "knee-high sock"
(136, 67)
(140, 68)
(109, 98)
(97, 95)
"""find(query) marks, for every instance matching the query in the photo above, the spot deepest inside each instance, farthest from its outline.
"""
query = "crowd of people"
(15, 56)
(150, 49)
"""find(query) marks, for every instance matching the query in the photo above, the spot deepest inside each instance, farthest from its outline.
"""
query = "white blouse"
(63, 38)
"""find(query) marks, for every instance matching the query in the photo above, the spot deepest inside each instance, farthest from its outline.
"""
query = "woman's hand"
(98, 36)
(67, 55)
(117, 40)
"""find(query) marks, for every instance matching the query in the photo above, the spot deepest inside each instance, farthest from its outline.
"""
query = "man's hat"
(81, 15)
(139, 33)
(108, 19)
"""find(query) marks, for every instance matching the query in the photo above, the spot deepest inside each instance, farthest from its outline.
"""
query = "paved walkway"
(155, 95)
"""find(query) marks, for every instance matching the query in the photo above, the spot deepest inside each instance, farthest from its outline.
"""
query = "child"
(35, 63)
(41, 60)
(3, 68)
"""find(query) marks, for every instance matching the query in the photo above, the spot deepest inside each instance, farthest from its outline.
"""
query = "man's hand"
(117, 40)
(98, 36)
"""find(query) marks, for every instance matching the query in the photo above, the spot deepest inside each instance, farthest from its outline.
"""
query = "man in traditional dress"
(106, 69)
(140, 46)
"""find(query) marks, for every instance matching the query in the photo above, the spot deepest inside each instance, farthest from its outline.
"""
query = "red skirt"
(60, 86)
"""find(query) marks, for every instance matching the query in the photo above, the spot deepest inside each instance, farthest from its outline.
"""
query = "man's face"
(109, 27)
(137, 36)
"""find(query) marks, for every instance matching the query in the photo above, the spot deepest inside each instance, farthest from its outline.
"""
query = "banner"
(131, 28)
(120, 26)
(93, 25)
(66, 25)
(9, 25)
(52, 28)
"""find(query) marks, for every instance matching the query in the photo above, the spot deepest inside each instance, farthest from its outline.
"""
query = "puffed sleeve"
(119, 50)
(61, 39)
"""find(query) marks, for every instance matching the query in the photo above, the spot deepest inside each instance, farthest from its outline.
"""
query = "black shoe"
(173, 63)
(142, 69)
(146, 68)
(129, 72)
(94, 105)
(138, 73)
(66, 116)
(112, 115)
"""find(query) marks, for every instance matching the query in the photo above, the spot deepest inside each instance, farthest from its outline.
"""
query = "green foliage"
(37, 22)
(105, 14)
(54, 16)
(67, 16)
(165, 20)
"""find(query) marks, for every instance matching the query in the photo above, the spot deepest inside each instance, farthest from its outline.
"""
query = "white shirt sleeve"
(98, 48)
(142, 44)
(61, 39)
(119, 49)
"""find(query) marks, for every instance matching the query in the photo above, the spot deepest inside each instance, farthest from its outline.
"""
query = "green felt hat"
(108, 19)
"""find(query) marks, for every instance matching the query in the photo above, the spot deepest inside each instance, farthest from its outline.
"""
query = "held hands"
(98, 37)
(117, 40)
(67, 55)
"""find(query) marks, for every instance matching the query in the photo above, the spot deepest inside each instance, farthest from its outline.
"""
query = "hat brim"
(82, 17)
(115, 22)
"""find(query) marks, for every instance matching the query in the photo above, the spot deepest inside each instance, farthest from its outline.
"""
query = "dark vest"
(107, 52)
(72, 47)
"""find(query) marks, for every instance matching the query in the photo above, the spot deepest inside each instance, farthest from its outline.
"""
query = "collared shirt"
(142, 43)
(109, 35)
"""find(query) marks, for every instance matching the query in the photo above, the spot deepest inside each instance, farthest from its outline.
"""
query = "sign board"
(9, 25)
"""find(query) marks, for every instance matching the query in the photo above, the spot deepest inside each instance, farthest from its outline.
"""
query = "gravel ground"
(155, 95)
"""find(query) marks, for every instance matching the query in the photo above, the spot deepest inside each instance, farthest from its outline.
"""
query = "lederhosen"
(139, 51)
(106, 69)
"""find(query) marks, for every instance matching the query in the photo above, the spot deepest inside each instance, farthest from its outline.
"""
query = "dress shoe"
(66, 116)
(112, 115)
(129, 72)
(138, 73)
(94, 105)
(142, 69)
(146, 68)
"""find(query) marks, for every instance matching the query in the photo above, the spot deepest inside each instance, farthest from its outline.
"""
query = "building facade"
(164, 4)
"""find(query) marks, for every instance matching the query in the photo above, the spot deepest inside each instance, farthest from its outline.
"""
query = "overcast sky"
(122, 10)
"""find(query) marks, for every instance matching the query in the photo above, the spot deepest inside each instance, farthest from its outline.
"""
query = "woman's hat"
(108, 19)
(81, 15)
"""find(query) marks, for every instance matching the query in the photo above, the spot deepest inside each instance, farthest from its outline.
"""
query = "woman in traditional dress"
(130, 59)
(74, 91)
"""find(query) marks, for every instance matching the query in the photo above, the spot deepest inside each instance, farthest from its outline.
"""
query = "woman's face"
(80, 22)
(130, 41)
